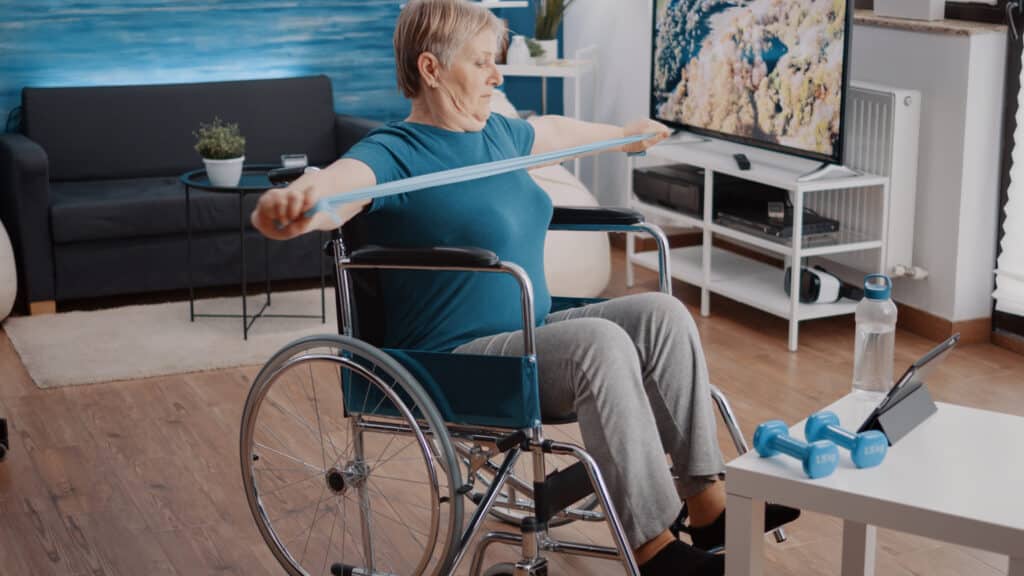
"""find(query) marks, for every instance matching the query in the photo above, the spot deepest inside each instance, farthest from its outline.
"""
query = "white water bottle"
(875, 342)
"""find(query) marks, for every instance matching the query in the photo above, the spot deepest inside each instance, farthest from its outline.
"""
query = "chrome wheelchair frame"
(414, 415)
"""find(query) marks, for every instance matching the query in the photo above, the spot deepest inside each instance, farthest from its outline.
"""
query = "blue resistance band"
(463, 174)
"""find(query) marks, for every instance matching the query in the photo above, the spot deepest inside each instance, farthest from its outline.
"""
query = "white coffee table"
(958, 477)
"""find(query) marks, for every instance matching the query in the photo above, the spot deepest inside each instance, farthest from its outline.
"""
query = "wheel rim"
(356, 494)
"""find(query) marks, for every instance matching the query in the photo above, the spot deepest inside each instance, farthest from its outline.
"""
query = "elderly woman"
(631, 368)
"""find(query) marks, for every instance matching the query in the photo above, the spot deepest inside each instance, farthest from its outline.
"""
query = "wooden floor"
(141, 477)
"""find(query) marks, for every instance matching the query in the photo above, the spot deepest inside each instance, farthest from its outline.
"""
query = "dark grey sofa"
(89, 189)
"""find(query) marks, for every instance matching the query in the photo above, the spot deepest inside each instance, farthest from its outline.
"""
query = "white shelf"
(736, 277)
(742, 279)
(493, 4)
(767, 167)
(557, 69)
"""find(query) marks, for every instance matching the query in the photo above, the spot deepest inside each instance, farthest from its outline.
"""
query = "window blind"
(1009, 294)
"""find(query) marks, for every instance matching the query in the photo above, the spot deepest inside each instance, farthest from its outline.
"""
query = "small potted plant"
(222, 147)
(549, 16)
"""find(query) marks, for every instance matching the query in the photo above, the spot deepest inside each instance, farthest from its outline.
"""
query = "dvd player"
(760, 222)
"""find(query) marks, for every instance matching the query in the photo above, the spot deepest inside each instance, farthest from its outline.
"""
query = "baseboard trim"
(1011, 342)
(42, 307)
(935, 328)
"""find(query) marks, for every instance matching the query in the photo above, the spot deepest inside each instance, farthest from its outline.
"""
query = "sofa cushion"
(138, 207)
(107, 132)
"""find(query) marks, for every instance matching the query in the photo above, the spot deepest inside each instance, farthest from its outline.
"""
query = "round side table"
(254, 181)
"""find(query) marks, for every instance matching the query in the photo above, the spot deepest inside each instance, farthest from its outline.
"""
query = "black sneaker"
(680, 558)
(712, 536)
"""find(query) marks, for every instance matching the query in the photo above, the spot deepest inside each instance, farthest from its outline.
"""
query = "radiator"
(880, 136)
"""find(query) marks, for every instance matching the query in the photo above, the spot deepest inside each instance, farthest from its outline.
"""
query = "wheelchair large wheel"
(347, 465)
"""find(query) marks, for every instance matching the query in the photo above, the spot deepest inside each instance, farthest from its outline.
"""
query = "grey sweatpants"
(633, 370)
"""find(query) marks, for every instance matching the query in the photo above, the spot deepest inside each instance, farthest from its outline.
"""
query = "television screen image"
(770, 73)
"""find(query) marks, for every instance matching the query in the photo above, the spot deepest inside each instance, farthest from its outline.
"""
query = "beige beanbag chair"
(575, 263)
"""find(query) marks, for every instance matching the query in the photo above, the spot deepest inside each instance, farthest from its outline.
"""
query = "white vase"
(518, 51)
(225, 173)
(550, 51)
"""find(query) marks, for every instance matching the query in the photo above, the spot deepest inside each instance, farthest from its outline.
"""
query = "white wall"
(961, 81)
(621, 31)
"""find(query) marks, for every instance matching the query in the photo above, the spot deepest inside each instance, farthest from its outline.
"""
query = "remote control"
(742, 161)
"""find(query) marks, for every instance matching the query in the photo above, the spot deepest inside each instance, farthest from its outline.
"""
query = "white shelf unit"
(739, 278)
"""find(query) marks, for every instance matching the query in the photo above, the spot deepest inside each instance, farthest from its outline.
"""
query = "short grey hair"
(440, 27)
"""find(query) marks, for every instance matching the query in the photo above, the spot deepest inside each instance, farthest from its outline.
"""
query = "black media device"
(676, 186)
(742, 161)
(908, 403)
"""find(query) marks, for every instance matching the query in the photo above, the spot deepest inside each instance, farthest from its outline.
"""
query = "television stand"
(827, 170)
(717, 269)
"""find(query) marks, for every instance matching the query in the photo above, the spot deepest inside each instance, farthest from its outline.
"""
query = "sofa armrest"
(25, 212)
(350, 129)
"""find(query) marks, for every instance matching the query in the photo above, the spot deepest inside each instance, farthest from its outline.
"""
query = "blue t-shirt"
(507, 214)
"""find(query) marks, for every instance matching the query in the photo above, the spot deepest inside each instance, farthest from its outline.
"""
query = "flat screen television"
(769, 73)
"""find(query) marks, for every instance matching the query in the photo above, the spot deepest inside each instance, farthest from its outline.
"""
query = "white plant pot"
(550, 51)
(225, 173)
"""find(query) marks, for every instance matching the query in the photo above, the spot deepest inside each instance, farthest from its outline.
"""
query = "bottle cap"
(877, 287)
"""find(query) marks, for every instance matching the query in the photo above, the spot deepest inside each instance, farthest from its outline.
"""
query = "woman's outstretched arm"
(280, 212)
(559, 132)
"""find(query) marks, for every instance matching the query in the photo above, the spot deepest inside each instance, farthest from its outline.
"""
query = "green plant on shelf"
(535, 48)
(549, 16)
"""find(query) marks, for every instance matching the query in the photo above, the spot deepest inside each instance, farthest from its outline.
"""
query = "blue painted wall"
(106, 42)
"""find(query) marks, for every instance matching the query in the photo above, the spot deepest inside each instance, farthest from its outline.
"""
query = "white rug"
(154, 340)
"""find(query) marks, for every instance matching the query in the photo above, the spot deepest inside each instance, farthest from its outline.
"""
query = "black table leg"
(188, 254)
(323, 282)
(266, 265)
(245, 291)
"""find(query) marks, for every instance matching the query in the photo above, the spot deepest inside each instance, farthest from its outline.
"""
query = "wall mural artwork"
(118, 42)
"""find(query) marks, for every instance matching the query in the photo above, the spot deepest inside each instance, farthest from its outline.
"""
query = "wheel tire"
(333, 479)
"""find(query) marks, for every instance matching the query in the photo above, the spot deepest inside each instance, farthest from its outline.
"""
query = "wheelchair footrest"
(560, 490)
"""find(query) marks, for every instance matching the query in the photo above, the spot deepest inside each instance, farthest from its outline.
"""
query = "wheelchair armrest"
(576, 217)
(440, 256)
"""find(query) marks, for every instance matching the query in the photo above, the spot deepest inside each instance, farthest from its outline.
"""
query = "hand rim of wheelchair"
(438, 450)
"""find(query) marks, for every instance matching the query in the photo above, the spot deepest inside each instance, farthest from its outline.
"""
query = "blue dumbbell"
(819, 458)
(867, 449)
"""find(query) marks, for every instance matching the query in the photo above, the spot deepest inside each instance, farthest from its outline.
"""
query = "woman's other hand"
(644, 126)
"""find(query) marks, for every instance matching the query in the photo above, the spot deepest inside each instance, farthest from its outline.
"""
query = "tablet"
(915, 375)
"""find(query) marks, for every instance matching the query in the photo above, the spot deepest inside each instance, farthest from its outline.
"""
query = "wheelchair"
(361, 460)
